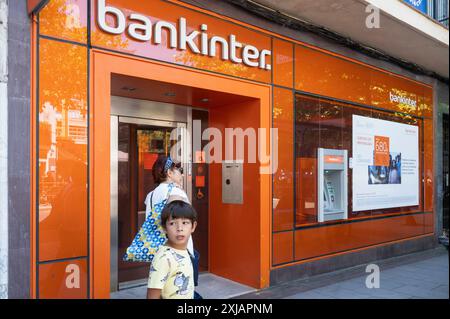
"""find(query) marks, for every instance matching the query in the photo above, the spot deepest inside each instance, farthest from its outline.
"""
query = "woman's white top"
(160, 194)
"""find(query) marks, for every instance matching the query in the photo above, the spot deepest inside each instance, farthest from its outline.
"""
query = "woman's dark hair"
(178, 209)
(158, 169)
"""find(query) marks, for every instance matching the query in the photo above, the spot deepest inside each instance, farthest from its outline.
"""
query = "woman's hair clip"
(168, 165)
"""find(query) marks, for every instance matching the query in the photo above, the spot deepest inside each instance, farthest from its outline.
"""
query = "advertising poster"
(385, 164)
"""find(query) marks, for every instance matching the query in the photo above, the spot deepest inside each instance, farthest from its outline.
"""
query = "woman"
(165, 172)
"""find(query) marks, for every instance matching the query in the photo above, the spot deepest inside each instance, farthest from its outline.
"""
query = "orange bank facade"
(352, 182)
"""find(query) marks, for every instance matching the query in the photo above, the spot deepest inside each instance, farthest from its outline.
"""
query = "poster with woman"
(385, 164)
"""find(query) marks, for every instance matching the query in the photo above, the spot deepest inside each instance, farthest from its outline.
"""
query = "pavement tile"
(348, 294)
(420, 292)
(361, 293)
(309, 295)
(442, 288)
(354, 284)
(423, 284)
(408, 277)
(435, 280)
(388, 294)
(388, 276)
(337, 291)
(418, 273)
(435, 264)
(330, 288)
(391, 284)
(405, 279)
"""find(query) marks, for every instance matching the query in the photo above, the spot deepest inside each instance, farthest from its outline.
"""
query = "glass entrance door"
(139, 143)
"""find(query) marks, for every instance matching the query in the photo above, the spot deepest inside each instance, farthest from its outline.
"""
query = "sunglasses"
(179, 168)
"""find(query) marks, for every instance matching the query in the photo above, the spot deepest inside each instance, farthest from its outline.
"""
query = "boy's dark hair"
(178, 209)
(159, 170)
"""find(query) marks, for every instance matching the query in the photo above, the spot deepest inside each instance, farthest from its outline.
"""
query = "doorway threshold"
(132, 284)
(210, 287)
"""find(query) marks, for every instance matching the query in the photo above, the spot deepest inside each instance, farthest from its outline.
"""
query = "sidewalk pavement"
(210, 287)
(423, 275)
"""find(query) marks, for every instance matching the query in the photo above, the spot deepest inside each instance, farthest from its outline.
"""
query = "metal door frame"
(114, 140)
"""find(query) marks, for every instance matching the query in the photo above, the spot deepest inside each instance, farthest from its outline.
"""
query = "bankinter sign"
(141, 28)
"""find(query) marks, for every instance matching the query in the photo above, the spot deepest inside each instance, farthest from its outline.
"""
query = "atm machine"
(332, 184)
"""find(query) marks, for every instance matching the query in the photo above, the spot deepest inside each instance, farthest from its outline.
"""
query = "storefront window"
(62, 138)
(383, 173)
(64, 19)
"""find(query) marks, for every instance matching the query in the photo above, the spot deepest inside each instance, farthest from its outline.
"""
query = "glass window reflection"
(321, 123)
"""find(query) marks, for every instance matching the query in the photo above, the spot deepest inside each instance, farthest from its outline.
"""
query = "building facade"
(347, 167)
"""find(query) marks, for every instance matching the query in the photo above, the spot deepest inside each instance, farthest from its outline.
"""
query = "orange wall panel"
(306, 206)
(429, 223)
(63, 280)
(234, 228)
(323, 74)
(385, 90)
(313, 242)
(283, 178)
(283, 63)
(65, 20)
(283, 247)
(62, 151)
(426, 102)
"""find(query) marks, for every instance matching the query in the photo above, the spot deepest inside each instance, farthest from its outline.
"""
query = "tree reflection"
(216, 65)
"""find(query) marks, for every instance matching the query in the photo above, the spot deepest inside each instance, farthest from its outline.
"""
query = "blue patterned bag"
(151, 235)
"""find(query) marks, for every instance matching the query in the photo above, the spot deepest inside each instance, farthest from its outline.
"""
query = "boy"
(171, 272)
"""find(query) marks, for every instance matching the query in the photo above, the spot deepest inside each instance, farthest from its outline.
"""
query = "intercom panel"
(232, 182)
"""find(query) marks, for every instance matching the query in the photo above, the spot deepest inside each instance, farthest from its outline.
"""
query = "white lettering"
(172, 33)
(141, 28)
(212, 47)
(196, 137)
(233, 46)
(73, 279)
(401, 99)
(214, 146)
(250, 52)
(145, 27)
(262, 60)
(266, 146)
(102, 10)
(416, 3)
(269, 162)
(373, 19)
(205, 310)
(73, 19)
(187, 39)
(204, 37)
(373, 280)
(240, 135)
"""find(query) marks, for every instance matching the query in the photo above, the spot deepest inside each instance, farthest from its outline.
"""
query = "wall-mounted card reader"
(332, 184)
(232, 182)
